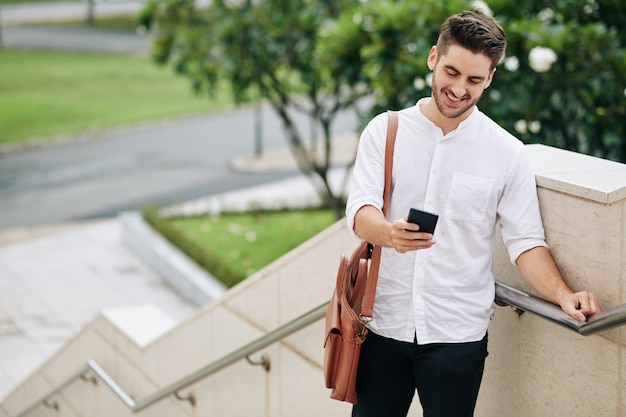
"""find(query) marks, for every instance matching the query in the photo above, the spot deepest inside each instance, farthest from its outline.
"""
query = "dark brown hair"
(473, 30)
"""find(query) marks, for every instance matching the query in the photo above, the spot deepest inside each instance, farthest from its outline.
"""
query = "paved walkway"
(58, 281)
(25, 13)
(20, 29)
(76, 39)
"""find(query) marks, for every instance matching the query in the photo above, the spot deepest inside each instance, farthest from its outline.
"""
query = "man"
(435, 294)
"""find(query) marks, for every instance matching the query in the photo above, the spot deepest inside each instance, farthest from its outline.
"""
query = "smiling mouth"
(453, 98)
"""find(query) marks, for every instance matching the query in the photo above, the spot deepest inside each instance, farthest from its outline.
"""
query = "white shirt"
(473, 177)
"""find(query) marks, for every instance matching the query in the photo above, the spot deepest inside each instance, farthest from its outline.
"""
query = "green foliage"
(392, 41)
(578, 102)
(295, 51)
(270, 49)
(267, 46)
(233, 246)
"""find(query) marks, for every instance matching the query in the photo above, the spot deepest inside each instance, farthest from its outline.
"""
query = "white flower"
(520, 126)
(624, 92)
(479, 4)
(511, 63)
(419, 83)
(541, 59)
(545, 15)
(495, 95)
(534, 126)
(429, 79)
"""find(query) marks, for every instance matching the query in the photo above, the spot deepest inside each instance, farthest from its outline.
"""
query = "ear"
(489, 79)
(432, 58)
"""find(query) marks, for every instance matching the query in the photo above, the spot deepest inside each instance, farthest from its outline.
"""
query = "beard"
(441, 96)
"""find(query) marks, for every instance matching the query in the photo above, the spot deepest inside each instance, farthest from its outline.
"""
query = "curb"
(181, 273)
(282, 159)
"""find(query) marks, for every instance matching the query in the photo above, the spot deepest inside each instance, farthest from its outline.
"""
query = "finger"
(580, 317)
(582, 302)
(577, 314)
(593, 306)
(588, 303)
(574, 310)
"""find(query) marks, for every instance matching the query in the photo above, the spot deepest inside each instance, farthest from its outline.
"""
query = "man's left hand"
(580, 305)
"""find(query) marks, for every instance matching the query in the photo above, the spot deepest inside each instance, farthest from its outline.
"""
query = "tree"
(268, 49)
(562, 82)
(393, 45)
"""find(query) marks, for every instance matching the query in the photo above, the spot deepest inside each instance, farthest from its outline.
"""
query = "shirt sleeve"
(368, 175)
(518, 209)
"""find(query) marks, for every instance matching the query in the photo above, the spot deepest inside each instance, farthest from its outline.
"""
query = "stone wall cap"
(577, 174)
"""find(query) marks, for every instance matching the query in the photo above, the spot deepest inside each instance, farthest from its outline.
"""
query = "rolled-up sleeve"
(518, 209)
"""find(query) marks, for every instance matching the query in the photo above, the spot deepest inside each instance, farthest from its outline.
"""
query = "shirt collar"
(465, 124)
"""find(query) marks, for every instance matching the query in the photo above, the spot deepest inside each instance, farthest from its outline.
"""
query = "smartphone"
(426, 221)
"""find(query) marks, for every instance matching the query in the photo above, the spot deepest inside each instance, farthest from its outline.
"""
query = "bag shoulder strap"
(367, 307)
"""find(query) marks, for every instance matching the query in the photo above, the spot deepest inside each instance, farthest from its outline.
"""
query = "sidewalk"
(20, 29)
(24, 13)
(56, 282)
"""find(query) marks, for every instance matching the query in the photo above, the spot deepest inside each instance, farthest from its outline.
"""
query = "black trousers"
(446, 376)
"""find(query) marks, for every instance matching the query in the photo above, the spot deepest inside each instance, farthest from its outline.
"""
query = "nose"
(458, 91)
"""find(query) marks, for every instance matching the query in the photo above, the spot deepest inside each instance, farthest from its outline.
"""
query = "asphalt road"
(158, 164)
(75, 39)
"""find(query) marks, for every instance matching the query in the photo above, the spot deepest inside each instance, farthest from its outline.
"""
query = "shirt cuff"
(351, 214)
(517, 248)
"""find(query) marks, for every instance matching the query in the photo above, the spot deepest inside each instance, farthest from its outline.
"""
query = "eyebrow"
(473, 77)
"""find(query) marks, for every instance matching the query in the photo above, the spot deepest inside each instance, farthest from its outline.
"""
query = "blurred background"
(110, 106)
(290, 74)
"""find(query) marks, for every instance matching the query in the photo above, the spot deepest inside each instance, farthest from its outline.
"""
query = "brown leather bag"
(351, 306)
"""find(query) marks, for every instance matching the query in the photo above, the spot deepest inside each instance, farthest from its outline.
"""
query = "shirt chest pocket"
(468, 199)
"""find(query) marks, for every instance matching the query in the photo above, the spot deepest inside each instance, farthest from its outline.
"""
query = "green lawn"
(44, 94)
(233, 246)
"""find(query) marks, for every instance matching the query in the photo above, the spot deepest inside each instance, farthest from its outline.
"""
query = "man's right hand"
(406, 237)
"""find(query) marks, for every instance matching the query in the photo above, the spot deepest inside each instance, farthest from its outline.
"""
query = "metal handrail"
(241, 353)
(505, 295)
(603, 320)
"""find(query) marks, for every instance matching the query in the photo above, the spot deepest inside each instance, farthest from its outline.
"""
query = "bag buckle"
(361, 335)
(364, 319)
